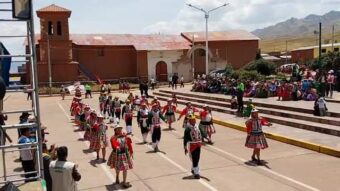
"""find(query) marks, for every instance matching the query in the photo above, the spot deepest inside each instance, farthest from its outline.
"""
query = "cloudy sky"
(170, 16)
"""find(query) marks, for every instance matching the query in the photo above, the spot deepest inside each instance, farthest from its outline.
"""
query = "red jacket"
(116, 144)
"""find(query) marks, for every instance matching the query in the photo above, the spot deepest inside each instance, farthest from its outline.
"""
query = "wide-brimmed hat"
(254, 110)
(117, 127)
(169, 100)
(100, 116)
(191, 116)
(331, 72)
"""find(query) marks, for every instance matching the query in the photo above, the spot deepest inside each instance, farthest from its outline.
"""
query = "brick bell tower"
(54, 35)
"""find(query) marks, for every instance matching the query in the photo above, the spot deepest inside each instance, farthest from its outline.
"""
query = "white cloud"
(241, 14)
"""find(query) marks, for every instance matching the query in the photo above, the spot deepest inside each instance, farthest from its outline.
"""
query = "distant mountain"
(301, 27)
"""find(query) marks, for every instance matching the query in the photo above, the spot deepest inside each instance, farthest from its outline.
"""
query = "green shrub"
(248, 75)
(262, 66)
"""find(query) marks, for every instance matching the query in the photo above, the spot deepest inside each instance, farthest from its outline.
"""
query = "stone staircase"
(293, 117)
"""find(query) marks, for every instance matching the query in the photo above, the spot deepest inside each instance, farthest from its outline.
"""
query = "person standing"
(182, 81)
(127, 114)
(170, 81)
(64, 174)
(99, 141)
(26, 154)
(121, 156)
(62, 92)
(240, 91)
(256, 139)
(102, 100)
(192, 144)
(146, 89)
(174, 81)
(153, 83)
(169, 111)
(321, 102)
(90, 121)
(48, 156)
(154, 118)
(330, 84)
(108, 86)
(141, 88)
(143, 123)
(88, 91)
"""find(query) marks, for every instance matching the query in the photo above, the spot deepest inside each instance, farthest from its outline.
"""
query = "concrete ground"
(224, 165)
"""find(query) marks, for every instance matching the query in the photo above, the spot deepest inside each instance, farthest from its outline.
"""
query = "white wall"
(167, 56)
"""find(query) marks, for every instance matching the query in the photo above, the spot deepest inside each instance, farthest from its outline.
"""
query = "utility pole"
(320, 27)
(193, 58)
(49, 64)
(206, 16)
(333, 38)
(286, 51)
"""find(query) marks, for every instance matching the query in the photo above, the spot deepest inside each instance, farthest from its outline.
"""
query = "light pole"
(206, 16)
(193, 57)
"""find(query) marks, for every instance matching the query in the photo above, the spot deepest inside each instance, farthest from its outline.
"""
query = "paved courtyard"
(224, 165)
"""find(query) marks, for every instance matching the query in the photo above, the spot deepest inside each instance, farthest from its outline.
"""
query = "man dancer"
(169, 111)
(189, 110)
(192, 144)
(116, 109)
(142, 118)
(154, 120)
(127, 114)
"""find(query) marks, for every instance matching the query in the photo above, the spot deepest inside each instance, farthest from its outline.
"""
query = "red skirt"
(120, 162)
(98, 142)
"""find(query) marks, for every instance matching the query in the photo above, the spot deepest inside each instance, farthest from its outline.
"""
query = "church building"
(132, 56)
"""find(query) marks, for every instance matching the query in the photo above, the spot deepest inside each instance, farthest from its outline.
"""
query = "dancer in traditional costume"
(256, 139)
(77, 112)
(206, 124)
(155, 116)
(127, 114)
(85, 114)
(143, 123)
(102, 100)
(108, 107)
(188, 110)
(78, 92)
(144, 100)
(192, 144)
(155, 101)
(99, 137)
(136, 103)
(90, 121)
(169, 111)
(121, 156)
(117, 109)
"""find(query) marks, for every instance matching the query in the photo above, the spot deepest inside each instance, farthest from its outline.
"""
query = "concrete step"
(269, 111)
(298, 137)
(296, 123)
(280, 106)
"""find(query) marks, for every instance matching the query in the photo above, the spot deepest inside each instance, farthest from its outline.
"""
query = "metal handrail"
(18, 145)
(16, 56)
(14, 36)
(19, 126)
(17, 111)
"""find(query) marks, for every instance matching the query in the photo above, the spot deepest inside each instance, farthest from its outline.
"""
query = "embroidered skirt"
(120, 161)
(256, 141)
(170, 117)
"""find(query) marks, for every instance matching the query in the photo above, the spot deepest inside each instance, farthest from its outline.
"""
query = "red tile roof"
(232, 35)
(139, 41)
(53, 8)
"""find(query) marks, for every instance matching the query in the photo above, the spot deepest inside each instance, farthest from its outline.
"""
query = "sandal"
(126, 185)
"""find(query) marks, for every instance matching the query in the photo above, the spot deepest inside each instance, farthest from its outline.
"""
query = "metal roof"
(139, 41)
(313, 47)
(231, 35)
(53, 8)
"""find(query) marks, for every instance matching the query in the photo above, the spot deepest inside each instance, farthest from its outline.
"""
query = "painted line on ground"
(103, 166)
(178, 166)
(260, 167)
